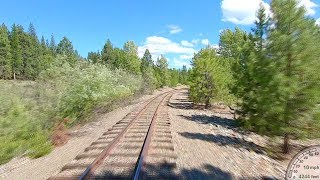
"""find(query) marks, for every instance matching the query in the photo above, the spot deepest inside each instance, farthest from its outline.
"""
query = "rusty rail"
(144, 152)
(106, 152)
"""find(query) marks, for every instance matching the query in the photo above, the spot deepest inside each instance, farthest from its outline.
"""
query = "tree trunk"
(286, 145)
(207, 103)
(14, 76)
(234, 112)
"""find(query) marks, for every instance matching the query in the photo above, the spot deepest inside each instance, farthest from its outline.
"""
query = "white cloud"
(186, 43)
(241, 12)
(244, 12)
(157, 40)
(215, 46)
(180, 63)
(205, 42)
(195, 41)
(174, 29)
(179, 55)
(158, 45)
(318, 22)
(186, 56)
(309, 5)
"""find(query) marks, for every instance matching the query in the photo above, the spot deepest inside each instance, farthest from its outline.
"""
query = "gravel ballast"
(209, 146)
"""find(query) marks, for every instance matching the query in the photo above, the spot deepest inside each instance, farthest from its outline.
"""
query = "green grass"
(30, 109)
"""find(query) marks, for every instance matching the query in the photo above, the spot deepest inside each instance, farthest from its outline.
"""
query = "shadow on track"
(225, 141)
(207, 171)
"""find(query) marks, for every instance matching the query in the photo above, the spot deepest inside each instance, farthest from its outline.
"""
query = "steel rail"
(98, 161)
(146, 144)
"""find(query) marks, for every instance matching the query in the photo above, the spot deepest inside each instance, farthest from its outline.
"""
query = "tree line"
(270, 75)
(23, 56)
(155, 74)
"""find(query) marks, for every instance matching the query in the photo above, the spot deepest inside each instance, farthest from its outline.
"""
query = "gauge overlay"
(305, 165)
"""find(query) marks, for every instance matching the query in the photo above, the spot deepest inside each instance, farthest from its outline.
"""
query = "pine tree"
(117, 59)
(65, 48)
(132, 62)
(32, 51)
(147, 71)
(46, 56)
(52, 46)
(210, 78)
(5, 54)
(43, 43)
(16, 51)
(161, 70)
(146, 61)
(235, 47)
(32, 31)
(254, 84)
(174, 77)
(94, 57)
(293, 44)
(107, 54)
(183, 75)
(47, 43)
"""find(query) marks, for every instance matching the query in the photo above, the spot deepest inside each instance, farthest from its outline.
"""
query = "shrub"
(30, 109)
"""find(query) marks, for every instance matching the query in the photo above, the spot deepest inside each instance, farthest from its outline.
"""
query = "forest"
(269, 76)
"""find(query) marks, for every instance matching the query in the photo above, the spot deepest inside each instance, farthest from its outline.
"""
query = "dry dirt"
(210, 146)
(80, 138)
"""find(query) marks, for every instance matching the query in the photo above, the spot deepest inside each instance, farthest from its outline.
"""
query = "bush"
(85, 86)
(20, 132)
(29, 110)
(210, 79)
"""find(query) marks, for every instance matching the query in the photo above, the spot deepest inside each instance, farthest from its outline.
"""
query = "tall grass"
(29, 110)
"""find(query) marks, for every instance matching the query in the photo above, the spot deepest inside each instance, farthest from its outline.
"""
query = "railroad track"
(137, 147)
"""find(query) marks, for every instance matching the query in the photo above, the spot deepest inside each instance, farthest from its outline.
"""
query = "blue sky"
(176, 29)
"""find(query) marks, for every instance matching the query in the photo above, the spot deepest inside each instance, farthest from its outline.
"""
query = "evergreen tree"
(43, 43)
(46, 55)
(94, 57)
(65, 48)
(107, 53)
(16, 51)
(52, 45)
(235, 47)
(174, 77)
(254, 79)
(183, 75)
(47, 43)
(5, 54)
(210, 78)
(32, 31)
(293, 44)
(161, 70)
(147, 71)
(32, 51)
(117, 59)
(146, 61)
(131, 62)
